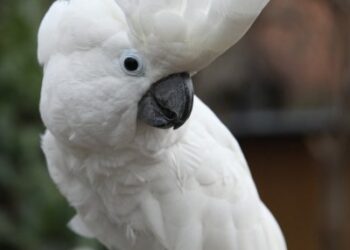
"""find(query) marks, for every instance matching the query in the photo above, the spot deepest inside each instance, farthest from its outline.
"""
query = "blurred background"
(284, 92)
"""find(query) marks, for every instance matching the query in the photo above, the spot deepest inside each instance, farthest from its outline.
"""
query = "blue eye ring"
(131, 63)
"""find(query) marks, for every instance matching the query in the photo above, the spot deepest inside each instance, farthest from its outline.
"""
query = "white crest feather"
(189, 33)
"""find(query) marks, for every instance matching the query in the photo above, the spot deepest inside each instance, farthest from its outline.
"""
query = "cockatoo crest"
(192, 32)
(182, 34)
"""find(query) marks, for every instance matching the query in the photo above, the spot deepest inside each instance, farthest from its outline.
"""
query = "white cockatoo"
(144, 162)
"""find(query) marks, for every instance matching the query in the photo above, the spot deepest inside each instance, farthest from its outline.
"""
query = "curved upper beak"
(168, 103)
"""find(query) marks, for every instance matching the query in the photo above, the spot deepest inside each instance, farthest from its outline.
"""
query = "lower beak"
(168, 103)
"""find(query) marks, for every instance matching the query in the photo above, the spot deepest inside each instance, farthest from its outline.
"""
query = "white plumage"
(134, 186)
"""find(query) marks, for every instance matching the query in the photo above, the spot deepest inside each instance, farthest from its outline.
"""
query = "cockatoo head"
(113, 67)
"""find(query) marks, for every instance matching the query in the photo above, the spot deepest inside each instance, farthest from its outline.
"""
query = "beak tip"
(178, 125)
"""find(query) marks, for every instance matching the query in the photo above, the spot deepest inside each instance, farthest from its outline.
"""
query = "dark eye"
(132, 63)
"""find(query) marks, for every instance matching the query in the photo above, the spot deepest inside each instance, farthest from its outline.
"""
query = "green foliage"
(33, 215)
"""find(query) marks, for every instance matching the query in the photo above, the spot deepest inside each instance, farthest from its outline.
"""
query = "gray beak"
(168, 103)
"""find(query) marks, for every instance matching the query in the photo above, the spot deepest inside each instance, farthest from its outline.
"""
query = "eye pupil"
(131, 64)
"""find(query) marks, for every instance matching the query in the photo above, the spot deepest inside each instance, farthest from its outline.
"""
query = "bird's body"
(195, 194)
(135, 186)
